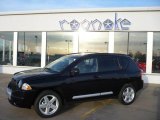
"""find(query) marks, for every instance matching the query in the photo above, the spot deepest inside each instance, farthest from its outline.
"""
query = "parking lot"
(146, 107)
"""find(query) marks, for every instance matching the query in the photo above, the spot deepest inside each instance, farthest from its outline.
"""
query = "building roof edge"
(85, 10)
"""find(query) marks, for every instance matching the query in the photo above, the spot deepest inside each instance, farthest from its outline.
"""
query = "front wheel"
(47, 104)
(127, 94)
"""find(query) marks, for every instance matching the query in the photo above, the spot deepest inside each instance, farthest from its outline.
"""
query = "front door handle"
(69, 81)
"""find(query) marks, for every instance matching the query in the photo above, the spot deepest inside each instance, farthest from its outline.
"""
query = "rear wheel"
(48, 104)
(127, 94)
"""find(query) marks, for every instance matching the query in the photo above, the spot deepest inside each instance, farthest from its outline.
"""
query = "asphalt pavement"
(145, 107)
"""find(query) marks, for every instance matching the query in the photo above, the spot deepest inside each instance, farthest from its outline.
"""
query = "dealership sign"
(95, 25)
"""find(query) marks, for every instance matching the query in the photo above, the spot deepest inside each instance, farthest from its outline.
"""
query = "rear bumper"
(139, 85)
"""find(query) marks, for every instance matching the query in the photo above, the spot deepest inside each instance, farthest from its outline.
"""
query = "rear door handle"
(69, 81)
(97, 76)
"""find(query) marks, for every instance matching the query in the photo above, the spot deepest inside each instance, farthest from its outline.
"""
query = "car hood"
(33, 74)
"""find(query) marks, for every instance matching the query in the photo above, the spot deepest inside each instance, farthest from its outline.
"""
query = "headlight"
(25, 86)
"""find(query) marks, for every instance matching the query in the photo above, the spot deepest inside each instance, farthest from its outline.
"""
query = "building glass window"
(134, 44)
(93, 42)
(29, 49)
(58, 44)
(138, 48)
(156, 53)
(121, 42)
(6, 48)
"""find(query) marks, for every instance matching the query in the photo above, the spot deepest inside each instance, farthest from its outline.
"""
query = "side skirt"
(92, 95)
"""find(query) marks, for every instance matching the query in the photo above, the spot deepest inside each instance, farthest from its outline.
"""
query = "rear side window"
(132, 66)
(107, 63)
(128, 63)
(123, 61)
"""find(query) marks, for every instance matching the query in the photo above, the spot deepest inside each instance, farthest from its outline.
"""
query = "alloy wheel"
(128, 95)
(48, 104)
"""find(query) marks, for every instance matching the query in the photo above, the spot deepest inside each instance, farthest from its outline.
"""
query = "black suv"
(75, 77)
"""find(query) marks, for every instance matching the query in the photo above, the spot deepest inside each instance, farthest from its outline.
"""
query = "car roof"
(97, 54)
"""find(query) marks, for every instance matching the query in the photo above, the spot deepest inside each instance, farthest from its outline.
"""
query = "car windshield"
(61, 63)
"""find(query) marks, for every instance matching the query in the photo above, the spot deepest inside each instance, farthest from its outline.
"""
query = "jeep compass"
(75, 77)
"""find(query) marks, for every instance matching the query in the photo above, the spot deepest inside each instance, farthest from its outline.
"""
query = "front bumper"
(21, 98)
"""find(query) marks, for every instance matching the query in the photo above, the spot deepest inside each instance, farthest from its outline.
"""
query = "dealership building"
(33, 39)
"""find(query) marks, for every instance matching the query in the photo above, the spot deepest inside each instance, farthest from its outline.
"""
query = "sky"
(24, 5)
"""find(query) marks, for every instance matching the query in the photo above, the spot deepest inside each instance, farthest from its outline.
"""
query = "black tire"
(122, 94)
(41, 100)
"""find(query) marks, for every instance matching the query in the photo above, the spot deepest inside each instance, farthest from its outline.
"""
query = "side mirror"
(74, 71)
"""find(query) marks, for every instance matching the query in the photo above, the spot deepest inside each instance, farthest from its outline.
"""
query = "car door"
(84, 84)
(108, 73)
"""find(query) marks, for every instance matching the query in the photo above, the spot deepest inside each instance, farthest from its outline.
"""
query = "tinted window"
(88, 65)
(123, 61)
(132, 67)
(107, 63)
(61, 63)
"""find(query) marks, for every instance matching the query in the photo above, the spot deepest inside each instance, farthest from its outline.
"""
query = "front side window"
(6, 48)
(29, 49)
(88, 66)
(61, 63)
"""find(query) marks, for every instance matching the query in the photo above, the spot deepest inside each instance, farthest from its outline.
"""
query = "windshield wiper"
(49, 69)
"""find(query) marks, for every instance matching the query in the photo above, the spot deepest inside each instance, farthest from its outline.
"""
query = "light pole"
(24, 42)
(68, 41)
(128, 44)
(145, 47)
(106, 43)
(159, 51)
(3, 55)
(36, 37)
(36, 47)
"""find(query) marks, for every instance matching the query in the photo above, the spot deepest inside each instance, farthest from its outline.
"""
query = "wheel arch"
(57, 91)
